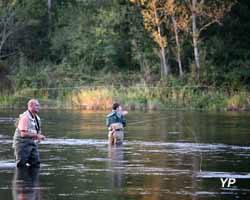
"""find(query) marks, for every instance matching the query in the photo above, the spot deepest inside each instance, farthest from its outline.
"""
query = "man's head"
(33, 106)
(115, 106)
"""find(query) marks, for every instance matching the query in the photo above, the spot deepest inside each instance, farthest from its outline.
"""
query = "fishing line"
(193, 133)
(130, 123)
(111, 86)
(40, 99)
(196, 141)
(150, 120)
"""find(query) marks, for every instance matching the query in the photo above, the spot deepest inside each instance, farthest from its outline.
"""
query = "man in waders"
(27, 136)
(116, 123)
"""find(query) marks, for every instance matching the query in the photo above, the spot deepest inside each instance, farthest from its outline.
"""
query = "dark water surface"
(166, 155)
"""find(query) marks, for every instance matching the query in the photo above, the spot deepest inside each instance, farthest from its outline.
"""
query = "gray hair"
(31, 102)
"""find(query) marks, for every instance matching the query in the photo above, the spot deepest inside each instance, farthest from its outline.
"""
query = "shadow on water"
(26, 184)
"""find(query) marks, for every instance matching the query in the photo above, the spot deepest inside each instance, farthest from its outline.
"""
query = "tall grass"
(137, 97)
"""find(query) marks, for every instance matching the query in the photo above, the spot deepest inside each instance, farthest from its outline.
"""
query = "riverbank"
(138, 97)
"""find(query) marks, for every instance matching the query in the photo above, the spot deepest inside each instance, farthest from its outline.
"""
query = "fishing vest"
(34, 126)
(115, 117)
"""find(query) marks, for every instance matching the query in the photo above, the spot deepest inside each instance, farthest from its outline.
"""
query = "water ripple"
(209, 174)
(4, 120)
(191, 146)
(74, 142)
(7, 164)
(171, 145)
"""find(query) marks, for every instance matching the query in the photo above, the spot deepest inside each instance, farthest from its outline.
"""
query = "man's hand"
(40, 137)
(124, 112)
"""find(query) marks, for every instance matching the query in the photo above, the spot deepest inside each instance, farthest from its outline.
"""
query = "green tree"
(204, 14)
(154, 18)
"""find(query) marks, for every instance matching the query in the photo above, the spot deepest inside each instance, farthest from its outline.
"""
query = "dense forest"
(72, 43)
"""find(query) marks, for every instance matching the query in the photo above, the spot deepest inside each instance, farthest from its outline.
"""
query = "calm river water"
(166, 155)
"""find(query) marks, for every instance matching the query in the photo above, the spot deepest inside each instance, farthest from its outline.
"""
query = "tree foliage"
(75, 42)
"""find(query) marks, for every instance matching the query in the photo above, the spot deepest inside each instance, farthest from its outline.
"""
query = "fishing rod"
(149, 120)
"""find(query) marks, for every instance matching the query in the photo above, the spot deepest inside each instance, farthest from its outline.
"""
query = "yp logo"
(227, 182)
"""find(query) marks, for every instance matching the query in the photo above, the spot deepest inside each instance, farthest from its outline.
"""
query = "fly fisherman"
(115, 122)
(27, 136)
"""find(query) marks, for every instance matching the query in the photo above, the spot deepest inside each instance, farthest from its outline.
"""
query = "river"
(165, 155)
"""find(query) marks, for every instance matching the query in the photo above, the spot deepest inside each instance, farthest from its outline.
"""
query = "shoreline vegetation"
(146, 55)
(137, 97)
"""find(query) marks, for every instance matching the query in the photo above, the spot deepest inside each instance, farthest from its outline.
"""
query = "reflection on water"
(171, 155)
(116, 165)
(26, 184)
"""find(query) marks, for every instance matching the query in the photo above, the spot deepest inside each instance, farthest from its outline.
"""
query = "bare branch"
(9, 24)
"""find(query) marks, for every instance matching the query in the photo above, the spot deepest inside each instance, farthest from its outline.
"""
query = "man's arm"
(108, 121)
(35, 136)
(124, 121)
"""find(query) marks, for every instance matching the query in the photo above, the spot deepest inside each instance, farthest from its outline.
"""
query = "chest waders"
(26, 149)
(116, 133)
(116, 124)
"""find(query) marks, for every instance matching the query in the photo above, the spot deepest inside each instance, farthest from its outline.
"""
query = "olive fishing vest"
(115, 117)
(34, 126)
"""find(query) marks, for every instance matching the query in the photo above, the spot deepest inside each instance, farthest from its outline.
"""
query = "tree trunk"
(7, 25)
(144, 68)
(178, 47)
(49, 9)
(2, 40)
(195, 40)
(165, 68)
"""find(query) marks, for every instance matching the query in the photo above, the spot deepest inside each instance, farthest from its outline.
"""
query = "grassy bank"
(138, 97)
